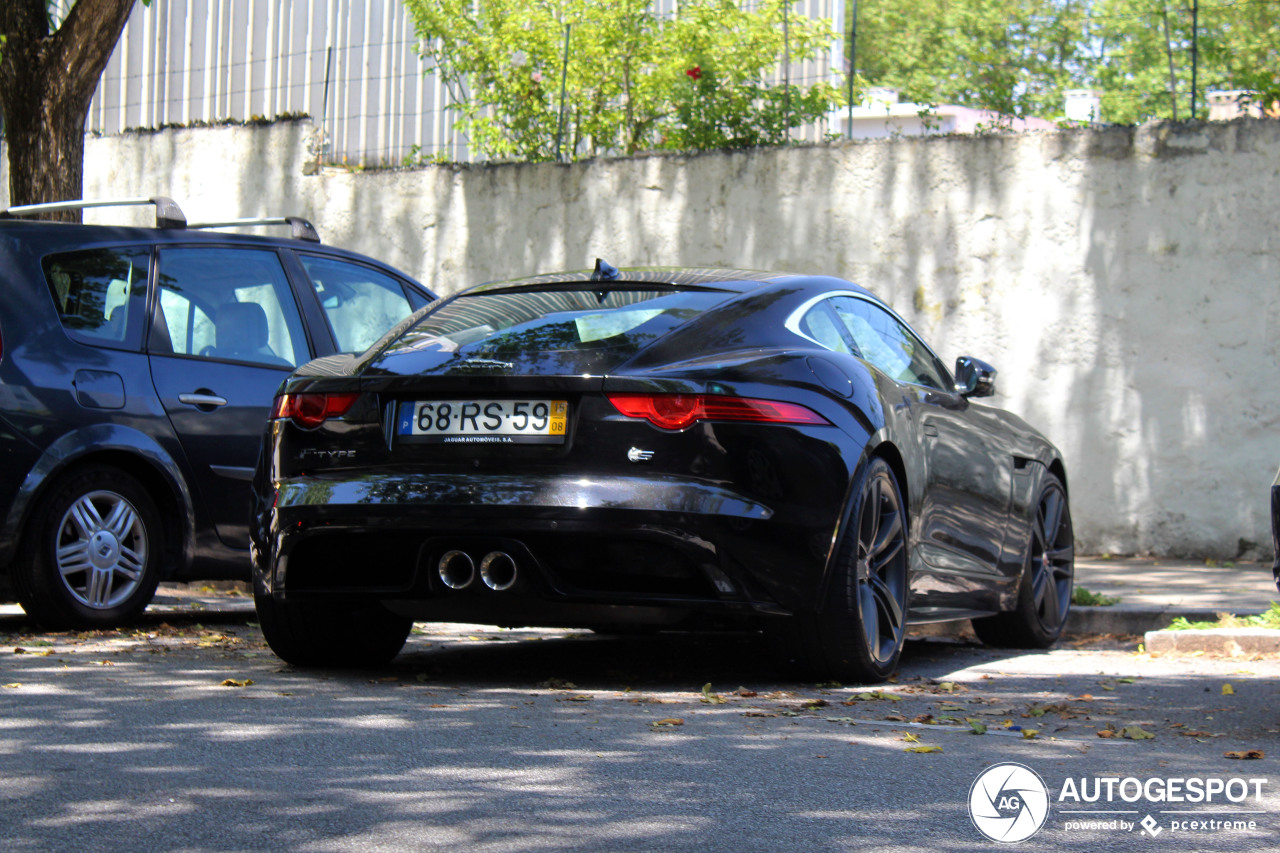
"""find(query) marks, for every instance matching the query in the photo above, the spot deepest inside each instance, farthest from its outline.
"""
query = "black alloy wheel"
(858, 634)
(91, 557)
(1044, 594)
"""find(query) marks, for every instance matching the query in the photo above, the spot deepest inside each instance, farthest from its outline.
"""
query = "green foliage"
(1268, 619)
(1012, 56)
(626, 83)
(1082, 597)
(1018, 56)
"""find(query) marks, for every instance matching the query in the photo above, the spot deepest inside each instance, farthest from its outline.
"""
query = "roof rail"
(168, 214)
(300, 229)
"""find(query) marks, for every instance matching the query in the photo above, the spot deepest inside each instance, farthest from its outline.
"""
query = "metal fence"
(350, 64)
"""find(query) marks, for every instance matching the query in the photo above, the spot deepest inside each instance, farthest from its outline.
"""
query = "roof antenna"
(605, 272)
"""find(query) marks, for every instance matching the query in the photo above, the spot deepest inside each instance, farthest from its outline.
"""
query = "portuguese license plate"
(483, 421)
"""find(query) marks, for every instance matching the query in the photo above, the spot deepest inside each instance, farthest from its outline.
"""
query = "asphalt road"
(485, 740)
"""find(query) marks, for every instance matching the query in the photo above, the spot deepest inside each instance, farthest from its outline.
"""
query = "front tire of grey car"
(91, 558)
(1044, 590)
(330, 634)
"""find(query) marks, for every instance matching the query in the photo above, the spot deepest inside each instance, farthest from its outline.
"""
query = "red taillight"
(677, 411)
(309, 410)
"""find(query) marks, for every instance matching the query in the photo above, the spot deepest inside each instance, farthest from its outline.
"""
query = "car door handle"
(930, 430)
(199, 400)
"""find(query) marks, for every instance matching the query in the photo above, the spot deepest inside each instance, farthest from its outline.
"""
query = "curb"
(1137, 619)
(1220, 641)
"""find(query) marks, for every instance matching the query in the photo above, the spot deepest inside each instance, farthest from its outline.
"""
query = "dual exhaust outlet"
(498, 570)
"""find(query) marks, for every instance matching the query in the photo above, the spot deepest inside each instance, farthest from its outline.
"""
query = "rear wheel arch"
(172, 500)
(889, 452)
(1059, 470)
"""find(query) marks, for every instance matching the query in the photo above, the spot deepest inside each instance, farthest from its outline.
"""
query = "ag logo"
(1008, 802)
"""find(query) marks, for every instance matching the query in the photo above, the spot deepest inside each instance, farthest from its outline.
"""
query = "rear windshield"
(554, 331)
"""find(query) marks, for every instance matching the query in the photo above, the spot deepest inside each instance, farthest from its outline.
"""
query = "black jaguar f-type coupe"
(656, 448)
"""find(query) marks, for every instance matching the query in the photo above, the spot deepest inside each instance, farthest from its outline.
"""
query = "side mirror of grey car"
(974, 378)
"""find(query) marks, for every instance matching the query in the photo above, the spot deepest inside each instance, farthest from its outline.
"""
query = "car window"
(101, 294)
(560, 329)
(819, 324)
(360, 303)
(887, 343)
(230, 304)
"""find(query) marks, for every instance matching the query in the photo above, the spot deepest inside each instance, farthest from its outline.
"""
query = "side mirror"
(974, 378)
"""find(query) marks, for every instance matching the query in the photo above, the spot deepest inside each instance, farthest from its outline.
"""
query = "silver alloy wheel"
(101, 549)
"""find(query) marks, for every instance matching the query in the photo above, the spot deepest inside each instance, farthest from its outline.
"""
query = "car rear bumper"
(577, 543)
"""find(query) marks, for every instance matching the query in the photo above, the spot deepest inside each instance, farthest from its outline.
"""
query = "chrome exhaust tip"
(456, 569)
(498, 571)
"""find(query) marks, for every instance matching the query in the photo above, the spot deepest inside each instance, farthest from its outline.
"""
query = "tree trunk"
(46, 83)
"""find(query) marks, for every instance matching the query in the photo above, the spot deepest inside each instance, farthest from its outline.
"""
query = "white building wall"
(180, 62)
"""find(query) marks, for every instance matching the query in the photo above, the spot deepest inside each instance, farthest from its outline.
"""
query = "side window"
(101, 294)
(360, 302)
(819, 324)
(232, 304)
(888, 344)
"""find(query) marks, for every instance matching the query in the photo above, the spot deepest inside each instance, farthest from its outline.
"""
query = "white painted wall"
(1123, 281)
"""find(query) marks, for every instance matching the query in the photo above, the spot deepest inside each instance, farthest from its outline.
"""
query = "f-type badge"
(635, 454)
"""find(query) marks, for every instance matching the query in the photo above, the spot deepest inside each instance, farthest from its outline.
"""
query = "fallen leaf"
(923, 749)
(747, 694)
(1030, 734)
(849, 720)
(711, 698)
(895, 718)
(14, 685)
(922, 718)
(581, 697)
(19, 650)
(1246, 754)
(1136, 733)
(1034, 712)
(1125, 680)
(1197, 734)
(1228, 690)
(231, 682)
(952, 708)
(872, 696)
(558, 684)
(813, 704)
(757, 714)
(948, 687)
(910, 738)
(976, 727)
(668, 722)
(1084, 697)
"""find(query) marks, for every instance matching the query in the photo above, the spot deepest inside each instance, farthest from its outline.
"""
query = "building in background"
(349, 64)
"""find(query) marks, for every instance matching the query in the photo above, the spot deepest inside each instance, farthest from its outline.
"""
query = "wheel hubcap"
(1052, 559)
(881, 570)
(101, 550)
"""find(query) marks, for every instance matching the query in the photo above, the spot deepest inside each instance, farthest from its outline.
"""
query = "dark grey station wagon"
(137, 368)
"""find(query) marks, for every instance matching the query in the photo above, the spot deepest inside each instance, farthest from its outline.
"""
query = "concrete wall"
(1124, 281)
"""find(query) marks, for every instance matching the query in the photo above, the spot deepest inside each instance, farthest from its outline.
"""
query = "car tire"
(91, 558)
(858, 633)
(330, 634)
(1044, 590)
